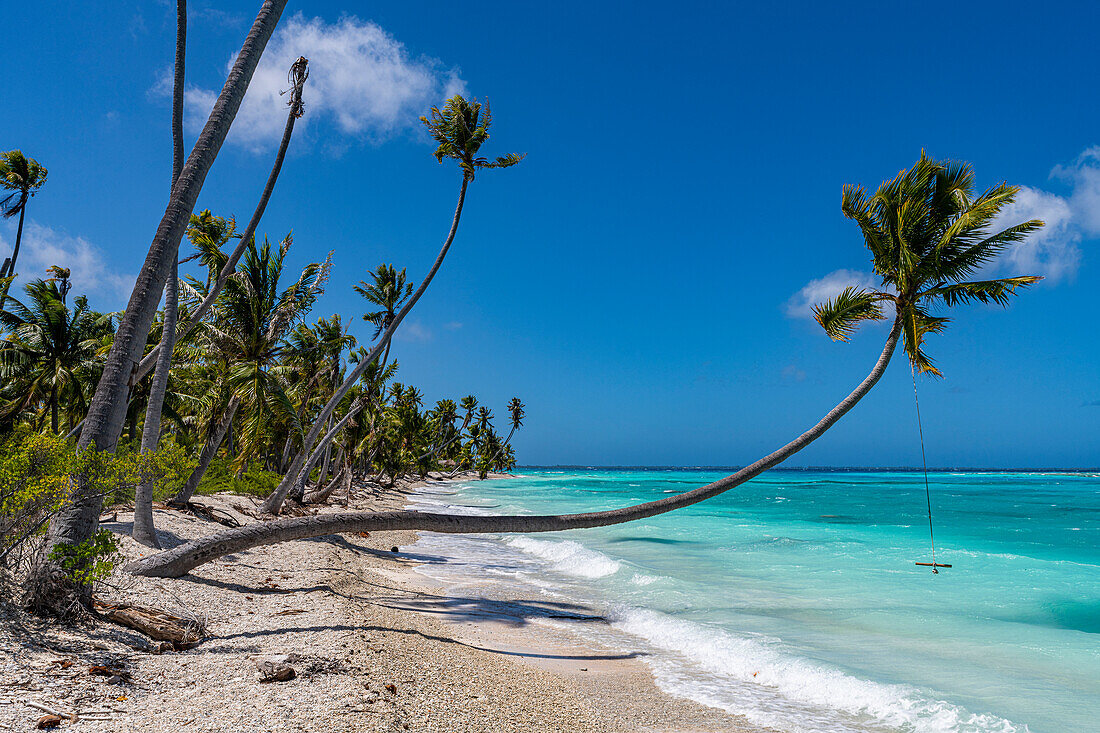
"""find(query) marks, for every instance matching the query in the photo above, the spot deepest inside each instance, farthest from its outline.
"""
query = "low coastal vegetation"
(223, 380)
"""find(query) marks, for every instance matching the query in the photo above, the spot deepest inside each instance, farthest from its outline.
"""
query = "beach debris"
(394, 549)
(160, 625)
(290, 612)
(391, 688)
(274, 670)
(63, 663)
(364, 534)
(49, 721)
(100, 670)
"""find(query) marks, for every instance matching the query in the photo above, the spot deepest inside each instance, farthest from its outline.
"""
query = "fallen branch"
(154, 623)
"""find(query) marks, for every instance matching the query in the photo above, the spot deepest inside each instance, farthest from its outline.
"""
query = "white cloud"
(362, 82)
(1084, 176)
(106, 288)
(413, 332)
(825, 288)
(1052, 251)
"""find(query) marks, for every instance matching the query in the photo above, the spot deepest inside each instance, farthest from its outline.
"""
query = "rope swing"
(927, 492)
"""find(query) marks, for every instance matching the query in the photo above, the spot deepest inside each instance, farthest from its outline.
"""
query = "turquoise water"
(794, 600)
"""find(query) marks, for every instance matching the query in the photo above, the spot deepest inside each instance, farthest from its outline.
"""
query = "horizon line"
(911, 469)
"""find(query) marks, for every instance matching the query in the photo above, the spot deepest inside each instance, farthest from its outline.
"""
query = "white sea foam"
(569, 557)
(753, 677)
(640, 579)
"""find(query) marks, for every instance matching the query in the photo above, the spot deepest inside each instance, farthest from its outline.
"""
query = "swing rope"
(924, 462)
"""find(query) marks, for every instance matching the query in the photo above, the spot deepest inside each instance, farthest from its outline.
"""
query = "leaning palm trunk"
(303, 477)
(275, 502)
(209, 450)
(77, 520)
(178, 561)
(320, 495)
(144, 531)
(502, 448)
(9, 264)
(235, 256)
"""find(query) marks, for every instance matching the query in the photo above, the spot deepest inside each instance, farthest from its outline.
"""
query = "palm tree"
(77, 520)
(22, 176)
(516, 414)
(927, 233)
(49, 353)
(143, 529)
(388, 290)
(460, 129)
(299, 72)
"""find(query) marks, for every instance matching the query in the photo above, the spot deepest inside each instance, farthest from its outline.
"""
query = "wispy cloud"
(452, 326)
(105, 286)
(800, 305)
(363, 83)
(413, 332)
(1092, 403)
(791, 373)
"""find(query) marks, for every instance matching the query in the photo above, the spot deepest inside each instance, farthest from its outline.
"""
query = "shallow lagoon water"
(794, 600)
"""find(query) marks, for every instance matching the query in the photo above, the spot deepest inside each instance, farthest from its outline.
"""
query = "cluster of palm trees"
(250, 375)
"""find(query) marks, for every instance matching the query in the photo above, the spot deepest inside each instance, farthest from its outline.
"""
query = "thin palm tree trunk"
(209, 450)
(502, 447)
(77, 519)
(178, 561)
(320, 495)
(10, 263)
(299, 487)
(274, 502)
(144, 531)
(242, 245)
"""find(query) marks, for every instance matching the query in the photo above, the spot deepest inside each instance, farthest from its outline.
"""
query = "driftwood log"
(181, 633)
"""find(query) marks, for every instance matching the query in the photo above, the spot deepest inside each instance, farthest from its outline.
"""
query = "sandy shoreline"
(376, 647)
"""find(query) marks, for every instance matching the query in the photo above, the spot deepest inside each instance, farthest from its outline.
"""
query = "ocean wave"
(754, 678)
(569, 557)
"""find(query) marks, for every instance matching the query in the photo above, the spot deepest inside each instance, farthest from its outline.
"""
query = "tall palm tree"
(461, 129)
(22, 176)
(49, 353)
(516, 415)
(927, 232)
(296, 77)
(143, 529)
(77, 519)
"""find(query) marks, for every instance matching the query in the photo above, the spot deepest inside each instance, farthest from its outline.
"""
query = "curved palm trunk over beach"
(77, 519)
(178, 561)
(144, 531)
(274, 503)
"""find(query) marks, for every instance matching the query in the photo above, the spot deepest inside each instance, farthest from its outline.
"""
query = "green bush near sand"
(220, 477)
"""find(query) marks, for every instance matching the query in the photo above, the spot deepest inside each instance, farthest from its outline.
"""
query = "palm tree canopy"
(48, 350)
(461, 128)
(22, 176)
(515, 409)
(927, 233)
(388, 290)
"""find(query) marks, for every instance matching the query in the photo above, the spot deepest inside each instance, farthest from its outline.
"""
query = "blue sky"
(640, 280)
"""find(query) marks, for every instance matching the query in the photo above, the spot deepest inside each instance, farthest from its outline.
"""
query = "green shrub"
(221, 477)
(38, 472)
